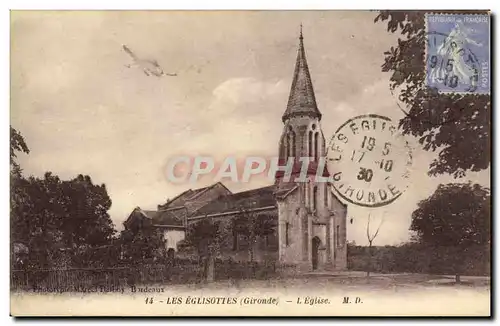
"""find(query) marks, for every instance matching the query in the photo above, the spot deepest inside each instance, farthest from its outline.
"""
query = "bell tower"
(311, 220)
(302, 135)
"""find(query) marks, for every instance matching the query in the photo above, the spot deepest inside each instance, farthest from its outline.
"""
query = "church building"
(306, 222)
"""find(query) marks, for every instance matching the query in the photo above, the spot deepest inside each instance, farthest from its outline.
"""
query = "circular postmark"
(369, 161)
(451, 65)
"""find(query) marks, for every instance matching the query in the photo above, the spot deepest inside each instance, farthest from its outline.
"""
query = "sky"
(81, 110)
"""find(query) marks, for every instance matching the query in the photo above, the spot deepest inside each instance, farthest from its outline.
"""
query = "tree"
(56, 215)
(18, 195)
(251, 226)
(205, 237)
(87, 223)
(50, 216)
(36, 220)
(142, 245)
(370, 238)
(457, 126)
(456, 216)
(17, 145)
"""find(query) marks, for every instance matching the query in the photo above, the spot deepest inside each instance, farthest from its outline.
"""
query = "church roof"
(170, 217)
(251, 199)
(148, 214)
(186, 196)
(301, 100)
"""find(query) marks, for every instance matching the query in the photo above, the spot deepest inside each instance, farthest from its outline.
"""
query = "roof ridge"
(205, 189)
(241, 192)
(176, 197)
(229, 196)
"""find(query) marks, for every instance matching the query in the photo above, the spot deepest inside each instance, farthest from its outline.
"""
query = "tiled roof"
(187, 195)
(197, 192)
(255, 198)
(170, 217)
(301, 100)
(149, 214)
(179, 200)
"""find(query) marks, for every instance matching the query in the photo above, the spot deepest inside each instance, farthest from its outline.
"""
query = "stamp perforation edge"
(486, 12)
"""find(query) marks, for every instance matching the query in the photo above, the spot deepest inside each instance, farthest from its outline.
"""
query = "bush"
(416, 258)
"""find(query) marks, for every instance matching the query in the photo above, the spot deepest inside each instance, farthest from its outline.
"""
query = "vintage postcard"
(250, 163)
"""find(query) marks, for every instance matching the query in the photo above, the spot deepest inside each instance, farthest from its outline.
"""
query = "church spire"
(301, 100)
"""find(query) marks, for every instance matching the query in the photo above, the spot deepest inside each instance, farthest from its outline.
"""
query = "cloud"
(242, 98)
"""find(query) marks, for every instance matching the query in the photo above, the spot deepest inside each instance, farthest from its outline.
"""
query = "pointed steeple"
(301, 100)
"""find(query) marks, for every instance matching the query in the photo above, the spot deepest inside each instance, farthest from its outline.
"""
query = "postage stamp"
(458, 53)
(370, 161)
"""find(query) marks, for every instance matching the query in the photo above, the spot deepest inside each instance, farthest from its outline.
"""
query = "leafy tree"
(142, 245)
(87, 223)
(205, 237)
(18, 195)
(36, 220)
(457, 126)
(251, 226)
(54, 218)
(57, 215)
(17, 145)
(456, 216)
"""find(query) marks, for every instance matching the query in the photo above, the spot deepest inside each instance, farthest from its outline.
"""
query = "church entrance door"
(315, 251)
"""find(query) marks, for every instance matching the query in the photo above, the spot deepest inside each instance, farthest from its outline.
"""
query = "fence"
(230, 269)
(176, 272)
(80, 279)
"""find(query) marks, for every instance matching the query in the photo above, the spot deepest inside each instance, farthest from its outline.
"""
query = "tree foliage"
(457, 126)
(142, 245)
(17, 145)
(53, 218)
(455, 215)
(204, 236)
(54, 215)
(457, 218)
(251, 226)
(418, 258)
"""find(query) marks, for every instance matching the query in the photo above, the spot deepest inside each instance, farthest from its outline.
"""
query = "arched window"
(326, 196)
(310, 144)
(287, 234)
(315, 198)
(287, 145)
(316, 145)
(294, 147)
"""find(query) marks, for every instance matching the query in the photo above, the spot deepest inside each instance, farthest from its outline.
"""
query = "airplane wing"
(126, 49)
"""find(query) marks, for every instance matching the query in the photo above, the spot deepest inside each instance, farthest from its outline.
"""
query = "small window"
(235, 240)
(288, 148)
(337, 235)
(326, 196)
(287, 234)
(316, 145)
(315, 198)
(310, 144)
